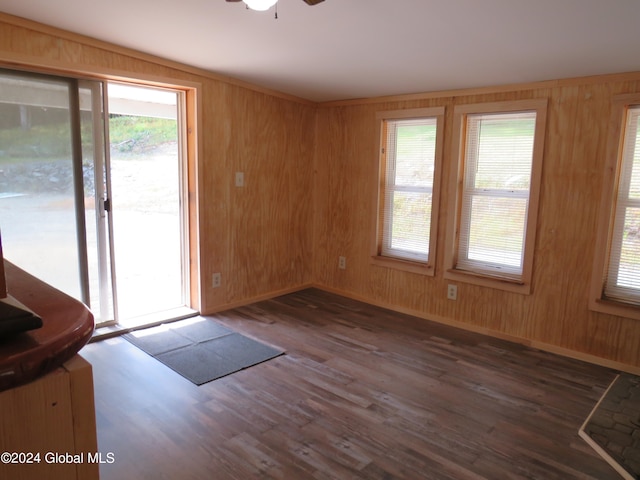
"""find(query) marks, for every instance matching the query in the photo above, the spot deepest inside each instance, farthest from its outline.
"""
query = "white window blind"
(410, 149)
(495, 198)
(622, 281)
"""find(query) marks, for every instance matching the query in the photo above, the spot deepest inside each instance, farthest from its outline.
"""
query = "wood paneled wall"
(556, 315)
(257, 236)
(310, 177)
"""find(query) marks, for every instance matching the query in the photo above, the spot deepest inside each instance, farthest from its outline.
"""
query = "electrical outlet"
(239, 179)
(452, 292)
(216, 280)
(342, 263)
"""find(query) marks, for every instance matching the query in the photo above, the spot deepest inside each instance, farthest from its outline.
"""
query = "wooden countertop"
(67, 327)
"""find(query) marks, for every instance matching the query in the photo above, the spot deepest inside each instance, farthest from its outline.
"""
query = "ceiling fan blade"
(234, 0)
(313, 2)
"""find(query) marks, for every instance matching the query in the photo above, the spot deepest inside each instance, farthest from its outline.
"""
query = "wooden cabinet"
(47, 410)
(51, 423)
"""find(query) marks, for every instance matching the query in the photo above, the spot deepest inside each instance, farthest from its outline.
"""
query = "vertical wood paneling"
(258, 236)
(214, 194)
(551, 278)
(556, 313)
(269, 225)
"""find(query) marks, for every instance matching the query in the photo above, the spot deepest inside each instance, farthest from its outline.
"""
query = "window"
(408, 194)
(616, 282)
(623, 275)
(492, 228)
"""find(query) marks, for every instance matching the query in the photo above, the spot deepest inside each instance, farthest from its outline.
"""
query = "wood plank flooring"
(362, 392)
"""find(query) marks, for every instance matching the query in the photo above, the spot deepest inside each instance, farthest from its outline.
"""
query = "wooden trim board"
(599, 450)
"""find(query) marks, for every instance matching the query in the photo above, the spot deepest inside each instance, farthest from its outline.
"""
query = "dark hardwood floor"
(362, 392)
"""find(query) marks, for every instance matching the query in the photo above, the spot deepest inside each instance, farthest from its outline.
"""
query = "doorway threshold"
(144, 321)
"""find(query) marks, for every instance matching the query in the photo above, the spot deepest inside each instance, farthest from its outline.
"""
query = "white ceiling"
(343, 49)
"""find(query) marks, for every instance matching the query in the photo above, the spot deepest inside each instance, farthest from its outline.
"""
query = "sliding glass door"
(122, 252)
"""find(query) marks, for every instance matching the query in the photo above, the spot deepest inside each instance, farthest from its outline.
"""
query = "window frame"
(505, 279)
(621, 104)
(402, 263)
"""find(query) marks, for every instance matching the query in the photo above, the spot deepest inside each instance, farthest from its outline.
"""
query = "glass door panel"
(38, 214)
(146, 191)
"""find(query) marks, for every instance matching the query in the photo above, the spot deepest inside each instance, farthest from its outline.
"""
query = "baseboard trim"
(255, 299)
(547, 347)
